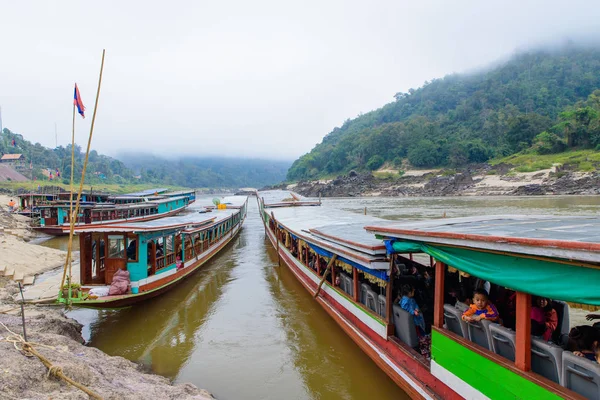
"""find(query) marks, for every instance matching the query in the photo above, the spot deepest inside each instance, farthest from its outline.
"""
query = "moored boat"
(54, 218)
(157, 254)
(355, 275)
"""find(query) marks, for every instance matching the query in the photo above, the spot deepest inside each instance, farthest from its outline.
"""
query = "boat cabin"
(523, 265)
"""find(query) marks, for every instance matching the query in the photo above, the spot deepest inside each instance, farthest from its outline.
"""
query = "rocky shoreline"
(59, 339)
(480, 180)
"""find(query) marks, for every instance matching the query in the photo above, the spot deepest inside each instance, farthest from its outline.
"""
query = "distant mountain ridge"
(212, 172)
(192, 172)
(461, 118)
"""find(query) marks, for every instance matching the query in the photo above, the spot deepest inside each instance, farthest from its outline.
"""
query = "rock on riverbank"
(477, 180)
(58, 338)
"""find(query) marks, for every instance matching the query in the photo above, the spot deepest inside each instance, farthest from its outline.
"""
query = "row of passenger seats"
(549, 360)
(367, 296)
(403, 321)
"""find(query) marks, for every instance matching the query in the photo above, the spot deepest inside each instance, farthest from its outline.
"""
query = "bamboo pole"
(329, 265)
(87, 153)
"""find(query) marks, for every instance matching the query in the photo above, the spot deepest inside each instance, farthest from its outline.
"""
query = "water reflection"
(243, 328)
(323, 354)
(161, 333)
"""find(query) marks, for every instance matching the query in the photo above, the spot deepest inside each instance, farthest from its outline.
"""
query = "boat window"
(132, 251)
(116, 246)
(169, 244)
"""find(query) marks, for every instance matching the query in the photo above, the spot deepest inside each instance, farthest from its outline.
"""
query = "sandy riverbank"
(58, 338)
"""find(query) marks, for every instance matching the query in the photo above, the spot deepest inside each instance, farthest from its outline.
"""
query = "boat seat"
(371, 300)
(342, 285)
(581, 375)
(381, 305)
(479, 333)
(546, 359)
(349, 285)
(405, 326)
(503, 341)
(561, 333)
(454, 322)
(364, 288)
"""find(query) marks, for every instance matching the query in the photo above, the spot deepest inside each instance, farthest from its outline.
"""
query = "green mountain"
(193, 172)
(40, 161)
(465, 118)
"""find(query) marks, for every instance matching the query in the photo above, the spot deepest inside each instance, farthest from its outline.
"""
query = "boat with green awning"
(516, 258)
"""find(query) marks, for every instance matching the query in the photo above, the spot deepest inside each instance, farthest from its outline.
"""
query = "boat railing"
(165, 261)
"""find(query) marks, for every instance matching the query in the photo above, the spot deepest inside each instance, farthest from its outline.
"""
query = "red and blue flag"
(78, 102)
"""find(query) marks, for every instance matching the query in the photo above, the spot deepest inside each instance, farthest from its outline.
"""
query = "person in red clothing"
(544, 318)
(481, 308)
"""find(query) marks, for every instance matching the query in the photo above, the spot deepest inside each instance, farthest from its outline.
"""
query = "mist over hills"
(212, 172)
(54, 165)
(466, 118)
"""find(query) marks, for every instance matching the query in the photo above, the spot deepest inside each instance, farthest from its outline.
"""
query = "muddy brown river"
(244, 328)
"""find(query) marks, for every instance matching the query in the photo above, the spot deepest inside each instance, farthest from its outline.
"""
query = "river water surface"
(244, 328)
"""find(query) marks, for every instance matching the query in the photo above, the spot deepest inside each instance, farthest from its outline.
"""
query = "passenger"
(583, 341)
(463, 301)
(178, 262)
(131, 250)
(409, 304)
(481, 308)
(544, 318)
(11, 205)
(591, 317)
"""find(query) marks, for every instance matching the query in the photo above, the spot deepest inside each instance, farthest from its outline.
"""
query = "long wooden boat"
(366, 272)
(55, 217)
(149, 250)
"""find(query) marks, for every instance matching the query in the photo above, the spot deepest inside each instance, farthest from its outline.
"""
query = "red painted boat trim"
(157, 287)
(561, 244)
(404, 359)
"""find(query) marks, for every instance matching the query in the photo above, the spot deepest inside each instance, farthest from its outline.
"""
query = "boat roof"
(146, 192)
(179, 192)
(341, 232)
(285, 198)
(230, 201)
(567, 237)
(191, 221)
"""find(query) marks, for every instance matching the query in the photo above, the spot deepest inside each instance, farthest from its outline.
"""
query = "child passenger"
(481, 308)
(409, 304)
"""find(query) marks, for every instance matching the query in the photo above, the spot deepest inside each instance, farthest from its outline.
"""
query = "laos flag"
(78, 103)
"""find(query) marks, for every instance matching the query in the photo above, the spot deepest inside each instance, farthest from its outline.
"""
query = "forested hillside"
(537, 101)
(193, 172)
(41, 161)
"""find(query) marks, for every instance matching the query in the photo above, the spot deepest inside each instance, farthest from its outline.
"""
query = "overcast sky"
(246, 78)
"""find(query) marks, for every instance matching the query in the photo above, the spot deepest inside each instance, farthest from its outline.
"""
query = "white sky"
(246, 78)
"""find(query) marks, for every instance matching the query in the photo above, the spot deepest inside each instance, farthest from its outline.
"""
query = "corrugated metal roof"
(341, 229)
(146, 192)
(188, 220)
(574, 237)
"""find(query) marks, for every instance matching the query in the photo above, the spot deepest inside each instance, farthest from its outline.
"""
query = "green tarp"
(555, 280)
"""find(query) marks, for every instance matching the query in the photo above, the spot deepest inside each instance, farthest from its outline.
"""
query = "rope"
(53, 370)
